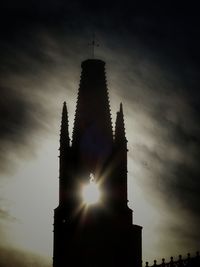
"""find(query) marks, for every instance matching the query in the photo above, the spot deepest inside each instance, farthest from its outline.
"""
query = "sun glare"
(90, 192)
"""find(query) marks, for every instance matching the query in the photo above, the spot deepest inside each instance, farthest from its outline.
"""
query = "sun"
(90, 192)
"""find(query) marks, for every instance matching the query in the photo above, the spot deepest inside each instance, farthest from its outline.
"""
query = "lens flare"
(90, 192)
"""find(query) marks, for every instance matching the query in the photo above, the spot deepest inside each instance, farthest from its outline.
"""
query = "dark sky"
(152, 51)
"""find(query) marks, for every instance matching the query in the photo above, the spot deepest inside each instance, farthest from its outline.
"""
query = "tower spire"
(77, 238)
(121, 157)
(120, 134)
(92, 132)
(64, 132)
(64, 154)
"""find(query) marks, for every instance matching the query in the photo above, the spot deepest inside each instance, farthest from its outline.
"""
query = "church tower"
(98, 231)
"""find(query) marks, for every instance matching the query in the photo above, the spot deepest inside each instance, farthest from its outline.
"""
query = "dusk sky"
(152, 55)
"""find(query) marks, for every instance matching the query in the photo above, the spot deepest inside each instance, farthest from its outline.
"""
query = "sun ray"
(90, 192)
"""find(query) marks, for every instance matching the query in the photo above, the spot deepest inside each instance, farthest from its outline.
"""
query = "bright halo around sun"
(90, 192)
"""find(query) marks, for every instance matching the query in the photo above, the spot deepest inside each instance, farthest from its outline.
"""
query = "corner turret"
(120, 135)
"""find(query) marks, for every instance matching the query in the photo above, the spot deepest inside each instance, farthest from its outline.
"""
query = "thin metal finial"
(93, 44)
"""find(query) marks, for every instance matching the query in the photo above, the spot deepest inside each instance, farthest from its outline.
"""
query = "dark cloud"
(6, 216)
(29, 61)
(172, 172)
(19, 118)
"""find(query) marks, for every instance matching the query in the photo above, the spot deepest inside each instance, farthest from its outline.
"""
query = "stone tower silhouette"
(103, 234)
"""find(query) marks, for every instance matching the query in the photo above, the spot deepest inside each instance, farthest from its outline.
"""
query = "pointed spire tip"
(121, 107)
(64, 109)
(64, 106)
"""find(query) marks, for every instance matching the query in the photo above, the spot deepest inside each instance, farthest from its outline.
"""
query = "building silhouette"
(102, 234)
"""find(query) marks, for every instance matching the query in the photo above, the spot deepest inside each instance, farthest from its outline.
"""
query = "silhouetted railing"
(188, 262)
